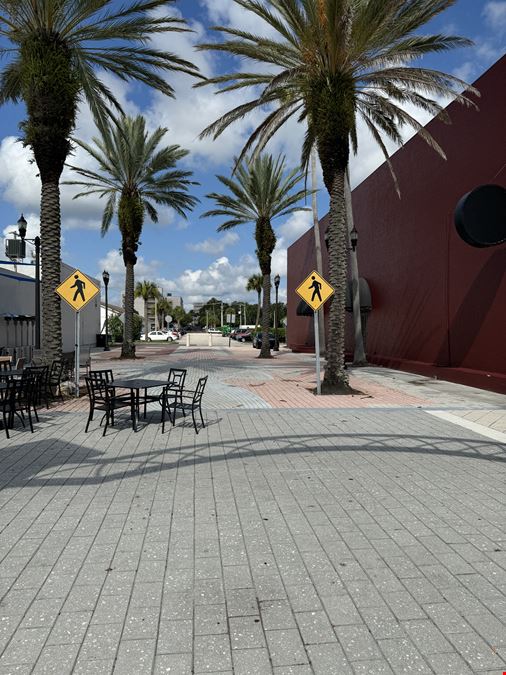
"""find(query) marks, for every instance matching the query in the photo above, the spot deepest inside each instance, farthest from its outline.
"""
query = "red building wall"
(439, 305)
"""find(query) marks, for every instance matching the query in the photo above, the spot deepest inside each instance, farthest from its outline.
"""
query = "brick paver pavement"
(277, 540)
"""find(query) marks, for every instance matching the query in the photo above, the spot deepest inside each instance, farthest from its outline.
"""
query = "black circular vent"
(480, 216)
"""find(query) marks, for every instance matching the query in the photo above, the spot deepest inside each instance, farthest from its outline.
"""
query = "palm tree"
(329, 62)
(134, 174)
(260, 193)
(164, 308)
(255, 283)
(56, 48)
(147, 290)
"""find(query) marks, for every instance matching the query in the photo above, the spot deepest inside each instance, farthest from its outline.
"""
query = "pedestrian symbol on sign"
(79, 285)
(316, 286)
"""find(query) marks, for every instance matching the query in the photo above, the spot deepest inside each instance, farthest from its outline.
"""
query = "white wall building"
(17, 310)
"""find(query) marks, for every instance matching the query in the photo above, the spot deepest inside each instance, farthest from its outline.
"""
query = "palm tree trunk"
(51, 270)
(257, 322)
(128, 347)
(265, 351)
(336, 380)
(145, 320)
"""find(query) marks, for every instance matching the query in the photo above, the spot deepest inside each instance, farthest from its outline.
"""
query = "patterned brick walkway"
(361, 539)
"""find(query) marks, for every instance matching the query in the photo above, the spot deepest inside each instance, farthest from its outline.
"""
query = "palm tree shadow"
(34, 472)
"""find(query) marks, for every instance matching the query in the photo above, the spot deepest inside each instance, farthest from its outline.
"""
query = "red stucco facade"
(439, 304)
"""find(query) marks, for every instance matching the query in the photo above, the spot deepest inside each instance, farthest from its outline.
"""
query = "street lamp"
(105, 277)
(22, 233)
(277, 279)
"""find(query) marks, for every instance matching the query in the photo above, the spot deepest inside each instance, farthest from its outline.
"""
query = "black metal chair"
(103, 397)
(20, 397)
(184, 399)
(54, 379)
(42, 382)
(175, 386)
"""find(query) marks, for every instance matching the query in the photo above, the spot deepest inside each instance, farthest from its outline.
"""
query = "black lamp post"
(22, 233)
(105, 277)
(277, 279)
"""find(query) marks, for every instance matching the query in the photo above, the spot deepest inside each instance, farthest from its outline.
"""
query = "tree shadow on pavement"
(39, 463)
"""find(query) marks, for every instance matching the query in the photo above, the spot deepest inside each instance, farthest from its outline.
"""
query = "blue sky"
(190, 258)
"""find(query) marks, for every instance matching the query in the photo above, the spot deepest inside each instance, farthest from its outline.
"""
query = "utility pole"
(222, 313)
(359, 357)
(318, 247)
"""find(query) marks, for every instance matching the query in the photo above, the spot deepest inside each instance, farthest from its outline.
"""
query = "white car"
(158, 336)
(217, 331)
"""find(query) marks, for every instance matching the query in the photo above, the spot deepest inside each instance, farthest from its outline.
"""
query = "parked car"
(243, 335)
(174, 334)
(159, 336)
(257, 341)
(215, 331)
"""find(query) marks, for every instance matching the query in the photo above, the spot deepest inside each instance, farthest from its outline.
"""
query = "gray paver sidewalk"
(275, 541)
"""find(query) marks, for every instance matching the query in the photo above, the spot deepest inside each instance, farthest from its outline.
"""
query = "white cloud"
(215, 246)
(113, 263)
(296, 225)
(495, 15)
(221, 279)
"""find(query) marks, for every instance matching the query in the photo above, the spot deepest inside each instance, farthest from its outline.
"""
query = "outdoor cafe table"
(135, 387)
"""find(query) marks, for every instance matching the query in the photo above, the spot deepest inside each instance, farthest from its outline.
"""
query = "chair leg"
(29, 410)
(6, 426)
(200, 411)
(35, 411)
(90, 417)
(194, 420)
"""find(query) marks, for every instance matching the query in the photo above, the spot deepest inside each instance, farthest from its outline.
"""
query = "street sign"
(315, 290)
(168, 319)
(77, 290)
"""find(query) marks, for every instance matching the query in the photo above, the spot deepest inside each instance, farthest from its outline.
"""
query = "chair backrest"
(30, 384)
(56, 371)
(10, 392)
(96, 384)
(42, 373)
(199, 389)
(177, 376)
(20, 363)
(105, 374)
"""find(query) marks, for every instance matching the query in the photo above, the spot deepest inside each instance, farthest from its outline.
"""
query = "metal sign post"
(317, 353)
(315, 292)
(77, 352)
(77, 290)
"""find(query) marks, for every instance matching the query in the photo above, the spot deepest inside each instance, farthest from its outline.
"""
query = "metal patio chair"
(185, 399)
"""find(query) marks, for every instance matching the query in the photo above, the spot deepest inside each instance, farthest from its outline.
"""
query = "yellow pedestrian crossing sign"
(77, 290)
(315, 290)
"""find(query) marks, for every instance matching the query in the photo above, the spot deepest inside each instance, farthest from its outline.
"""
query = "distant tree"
(134, 174)
(147, 290)
(255, 283)
(260, 191)
(115, 328)
(164, 308)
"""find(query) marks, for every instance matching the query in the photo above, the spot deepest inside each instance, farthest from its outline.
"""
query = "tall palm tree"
(329, 62)
(134, 174)
(147, 290)
(255, 283)
(55, 48)
(261, 192)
